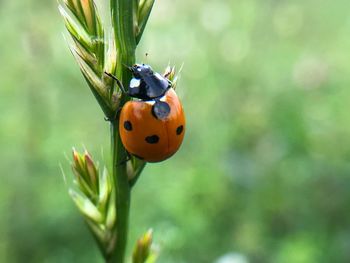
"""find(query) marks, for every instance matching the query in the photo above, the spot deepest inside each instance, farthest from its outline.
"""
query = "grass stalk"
(102, 197)
(122, 193)
(122, 21)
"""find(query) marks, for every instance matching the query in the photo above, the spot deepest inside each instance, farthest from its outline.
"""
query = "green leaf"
(111, 217)
(82, 184)
(86, 207)
(143, 248)
(138, 166)
(91, 170)
(89, 15)
(171, 74)
(99, 233)
(110, 63)
(107, 109)
(145, 8)
(75, 29)
(96, 85)
(104, 189)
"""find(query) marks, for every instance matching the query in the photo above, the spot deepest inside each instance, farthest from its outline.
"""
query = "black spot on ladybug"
(128, 125)
(160, 110)
(152, 139)
(179, 129)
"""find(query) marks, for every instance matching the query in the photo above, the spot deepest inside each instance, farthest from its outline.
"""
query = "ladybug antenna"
(130, 68)
(120, 85)
(146, 59)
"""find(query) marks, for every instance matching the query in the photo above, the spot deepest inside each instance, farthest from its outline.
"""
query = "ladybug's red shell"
(147, 137)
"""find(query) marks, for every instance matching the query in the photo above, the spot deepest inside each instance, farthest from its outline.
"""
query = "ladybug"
(152, 125)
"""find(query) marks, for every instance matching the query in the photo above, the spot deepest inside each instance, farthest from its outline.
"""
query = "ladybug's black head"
(147, 84)
(140, 70)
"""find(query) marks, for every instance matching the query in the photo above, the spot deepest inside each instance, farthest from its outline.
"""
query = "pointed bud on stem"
(143, 248)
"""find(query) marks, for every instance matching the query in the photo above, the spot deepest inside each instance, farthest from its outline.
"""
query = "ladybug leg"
(120, 85)
(110, 119)
(128, 158)
(115, 116)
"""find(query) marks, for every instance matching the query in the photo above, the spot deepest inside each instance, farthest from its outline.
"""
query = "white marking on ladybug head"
(134, 83)
(150, 102)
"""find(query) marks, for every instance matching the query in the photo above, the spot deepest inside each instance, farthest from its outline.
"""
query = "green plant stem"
(124, 31)
(120, 173)
(122, 193)
(126, 56)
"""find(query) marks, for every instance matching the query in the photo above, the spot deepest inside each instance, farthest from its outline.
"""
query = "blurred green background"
(264, 170)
